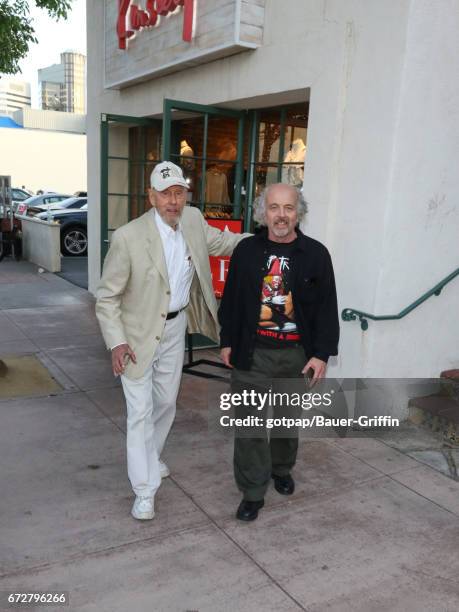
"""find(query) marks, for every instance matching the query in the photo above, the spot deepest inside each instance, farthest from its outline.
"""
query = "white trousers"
(151, 404)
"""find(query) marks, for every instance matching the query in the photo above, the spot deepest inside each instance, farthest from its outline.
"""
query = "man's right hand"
(225, 355)
(120, 356)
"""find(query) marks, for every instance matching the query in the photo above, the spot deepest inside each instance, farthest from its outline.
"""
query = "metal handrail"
(350, 314)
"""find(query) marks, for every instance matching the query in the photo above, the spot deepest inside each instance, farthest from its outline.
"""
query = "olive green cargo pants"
(255, 456)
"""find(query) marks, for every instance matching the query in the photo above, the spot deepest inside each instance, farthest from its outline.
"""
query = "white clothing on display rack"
(294, 174)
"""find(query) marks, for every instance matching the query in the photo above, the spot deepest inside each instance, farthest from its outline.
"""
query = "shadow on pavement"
(75, 271)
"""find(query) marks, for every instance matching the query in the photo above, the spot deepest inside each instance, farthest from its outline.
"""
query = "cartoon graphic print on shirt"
(277, 318)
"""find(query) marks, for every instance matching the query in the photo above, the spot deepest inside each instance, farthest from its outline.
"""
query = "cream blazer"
(133, 294)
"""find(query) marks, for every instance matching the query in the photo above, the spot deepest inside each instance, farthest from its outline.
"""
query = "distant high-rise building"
(14, 95)
(51, 81)
(63, 86)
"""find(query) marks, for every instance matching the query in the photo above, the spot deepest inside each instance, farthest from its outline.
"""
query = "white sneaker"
(163, 469)
(143, 509)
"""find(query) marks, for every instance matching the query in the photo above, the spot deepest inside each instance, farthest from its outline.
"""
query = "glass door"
(130, 148)
(208, 143)
(277, 148)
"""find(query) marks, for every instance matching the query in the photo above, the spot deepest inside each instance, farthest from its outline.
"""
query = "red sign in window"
(219, 265)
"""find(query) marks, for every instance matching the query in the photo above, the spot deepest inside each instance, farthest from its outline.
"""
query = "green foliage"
(56, 8)
(17, 32)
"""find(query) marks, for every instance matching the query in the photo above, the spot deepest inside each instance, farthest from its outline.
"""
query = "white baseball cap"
(165, 175)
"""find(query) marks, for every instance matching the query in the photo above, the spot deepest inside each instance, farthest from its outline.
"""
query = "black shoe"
(248, 510)
(285, 485)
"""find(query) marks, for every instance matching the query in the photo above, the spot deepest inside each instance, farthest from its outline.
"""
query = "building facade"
(51, 84)
(14, 95)
(352, 100)
(62, 87)
(48, 152)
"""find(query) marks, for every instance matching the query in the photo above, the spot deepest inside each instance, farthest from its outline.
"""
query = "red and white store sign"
(219, 265)
(148, 39)
(132, 18)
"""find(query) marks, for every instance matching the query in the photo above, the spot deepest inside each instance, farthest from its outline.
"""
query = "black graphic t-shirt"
(276, 325)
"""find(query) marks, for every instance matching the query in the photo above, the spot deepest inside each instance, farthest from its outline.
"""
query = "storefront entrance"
(228, 156)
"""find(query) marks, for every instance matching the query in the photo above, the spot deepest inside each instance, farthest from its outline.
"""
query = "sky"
(53, 38)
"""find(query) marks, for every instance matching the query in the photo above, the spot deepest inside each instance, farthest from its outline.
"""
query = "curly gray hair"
(259, 206)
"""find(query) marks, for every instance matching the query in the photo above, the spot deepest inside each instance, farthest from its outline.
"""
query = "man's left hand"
(319, 368)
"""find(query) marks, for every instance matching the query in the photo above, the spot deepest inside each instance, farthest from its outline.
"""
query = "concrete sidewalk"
(370, 528)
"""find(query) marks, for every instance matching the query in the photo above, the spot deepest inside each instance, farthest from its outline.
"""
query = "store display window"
(227, 157)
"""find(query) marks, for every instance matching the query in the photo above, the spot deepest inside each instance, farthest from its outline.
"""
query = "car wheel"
(74, 241)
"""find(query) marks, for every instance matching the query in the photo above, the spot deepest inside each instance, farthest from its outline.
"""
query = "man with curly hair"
(279, 320)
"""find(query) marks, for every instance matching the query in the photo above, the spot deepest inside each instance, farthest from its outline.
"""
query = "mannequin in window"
(294, 174)
(186, 152)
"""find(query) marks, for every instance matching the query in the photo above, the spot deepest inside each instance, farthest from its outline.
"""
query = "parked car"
(66, 204)
(74, 232)
(19, 195)
(38, 200)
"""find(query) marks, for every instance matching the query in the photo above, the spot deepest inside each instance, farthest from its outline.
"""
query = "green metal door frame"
(254, 119)
(105, 121)
(208, 111)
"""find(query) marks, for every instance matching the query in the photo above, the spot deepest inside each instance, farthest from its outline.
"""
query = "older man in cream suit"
(156, 281)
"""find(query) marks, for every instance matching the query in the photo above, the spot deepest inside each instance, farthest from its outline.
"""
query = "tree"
(17, 32)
